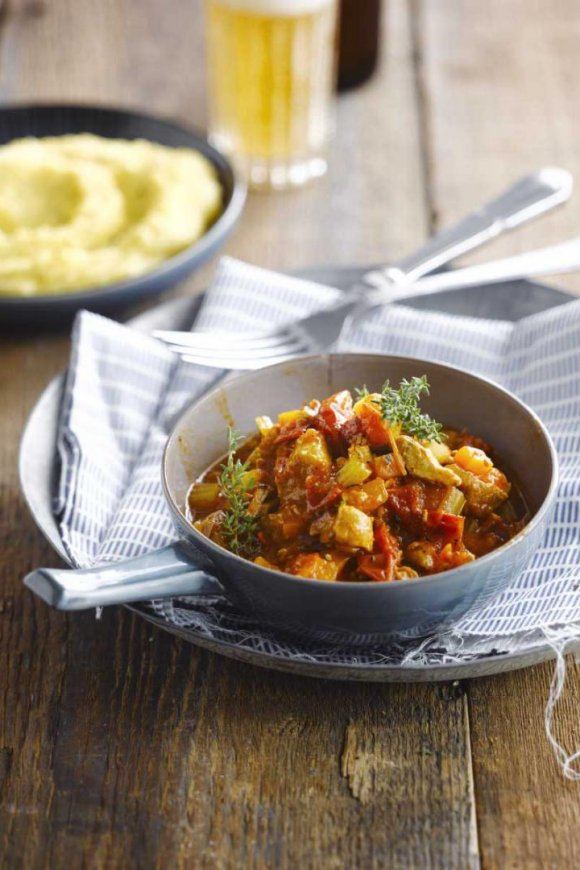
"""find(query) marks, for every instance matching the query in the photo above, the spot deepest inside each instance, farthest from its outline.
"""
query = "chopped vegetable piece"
(264, 424)
(367, 497)
(375, 428)
(290, 432)
(474, 460)
(351, 431)
(283, 526)
(448, 526)
(482, 494)
(386, 542)
(321, 492)
(311, 451)
(353, 471)
(430, 557)
(422, 555)
(353, 528)
(378, 567)
(386, 466)
(452, 556)
(481, 536)
(453, 501)
(291, 418)
(322, 527)
(334, 414)
(407, 503)
(211, 526)
(251, 478)
(440, 451)
(421, 462)
(292, 526)
(361, 451)
(203, 497)
(318, 566)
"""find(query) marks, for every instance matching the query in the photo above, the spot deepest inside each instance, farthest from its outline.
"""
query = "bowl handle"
(160, 574)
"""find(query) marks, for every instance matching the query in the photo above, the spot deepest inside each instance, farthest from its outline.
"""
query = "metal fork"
(320, 331)
(528, 198)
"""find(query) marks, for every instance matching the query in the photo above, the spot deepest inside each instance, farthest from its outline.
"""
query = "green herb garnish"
(402, 406)
(239, 527)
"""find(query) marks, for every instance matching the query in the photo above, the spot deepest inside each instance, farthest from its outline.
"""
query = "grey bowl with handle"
(348, 613)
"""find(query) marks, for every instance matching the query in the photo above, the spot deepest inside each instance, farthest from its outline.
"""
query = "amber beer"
(271, 66)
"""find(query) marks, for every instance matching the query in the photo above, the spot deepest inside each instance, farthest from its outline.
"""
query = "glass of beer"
(271, 72)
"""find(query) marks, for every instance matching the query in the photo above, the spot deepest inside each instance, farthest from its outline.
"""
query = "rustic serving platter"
(39, 472)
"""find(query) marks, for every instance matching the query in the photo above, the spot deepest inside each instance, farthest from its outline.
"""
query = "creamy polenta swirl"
(82, 211)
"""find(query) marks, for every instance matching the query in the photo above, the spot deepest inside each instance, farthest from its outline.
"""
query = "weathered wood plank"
(499, 82)
(119, 745)
(501, 90)
(33, 641)
(349, 787)
(528, 814)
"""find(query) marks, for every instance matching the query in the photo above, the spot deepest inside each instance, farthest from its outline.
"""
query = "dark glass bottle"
(358, 45)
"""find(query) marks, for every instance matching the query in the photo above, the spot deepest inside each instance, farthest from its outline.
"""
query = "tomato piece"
(373, 424)
(386, 542)
(350, 430)
(378, 567)
(335, 412)
(407, 502)
(291, 432)
(320, 492)
(447, 526)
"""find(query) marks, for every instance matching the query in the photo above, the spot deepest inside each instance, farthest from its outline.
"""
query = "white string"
(565, 760)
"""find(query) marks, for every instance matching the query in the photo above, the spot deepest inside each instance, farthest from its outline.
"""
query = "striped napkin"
(124, 389)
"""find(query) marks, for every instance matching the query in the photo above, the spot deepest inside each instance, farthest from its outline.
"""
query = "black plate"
(57, 120)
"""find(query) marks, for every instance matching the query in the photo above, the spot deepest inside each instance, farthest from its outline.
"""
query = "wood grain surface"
(121, 746)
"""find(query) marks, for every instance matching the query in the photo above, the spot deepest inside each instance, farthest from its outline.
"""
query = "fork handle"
(552, 260)
(529, 197)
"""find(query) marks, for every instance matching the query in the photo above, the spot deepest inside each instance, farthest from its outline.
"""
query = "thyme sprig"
(239, 526)
(402, 406)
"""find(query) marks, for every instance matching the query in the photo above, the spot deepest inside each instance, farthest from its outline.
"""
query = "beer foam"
(286, 8)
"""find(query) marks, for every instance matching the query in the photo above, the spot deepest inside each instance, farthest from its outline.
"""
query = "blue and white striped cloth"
(124, 389)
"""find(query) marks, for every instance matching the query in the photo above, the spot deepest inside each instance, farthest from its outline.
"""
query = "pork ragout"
(340, 491)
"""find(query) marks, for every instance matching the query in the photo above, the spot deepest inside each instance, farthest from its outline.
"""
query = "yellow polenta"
(81, 211)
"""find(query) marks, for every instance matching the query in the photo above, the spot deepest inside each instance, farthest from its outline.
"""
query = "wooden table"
(122, 746)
